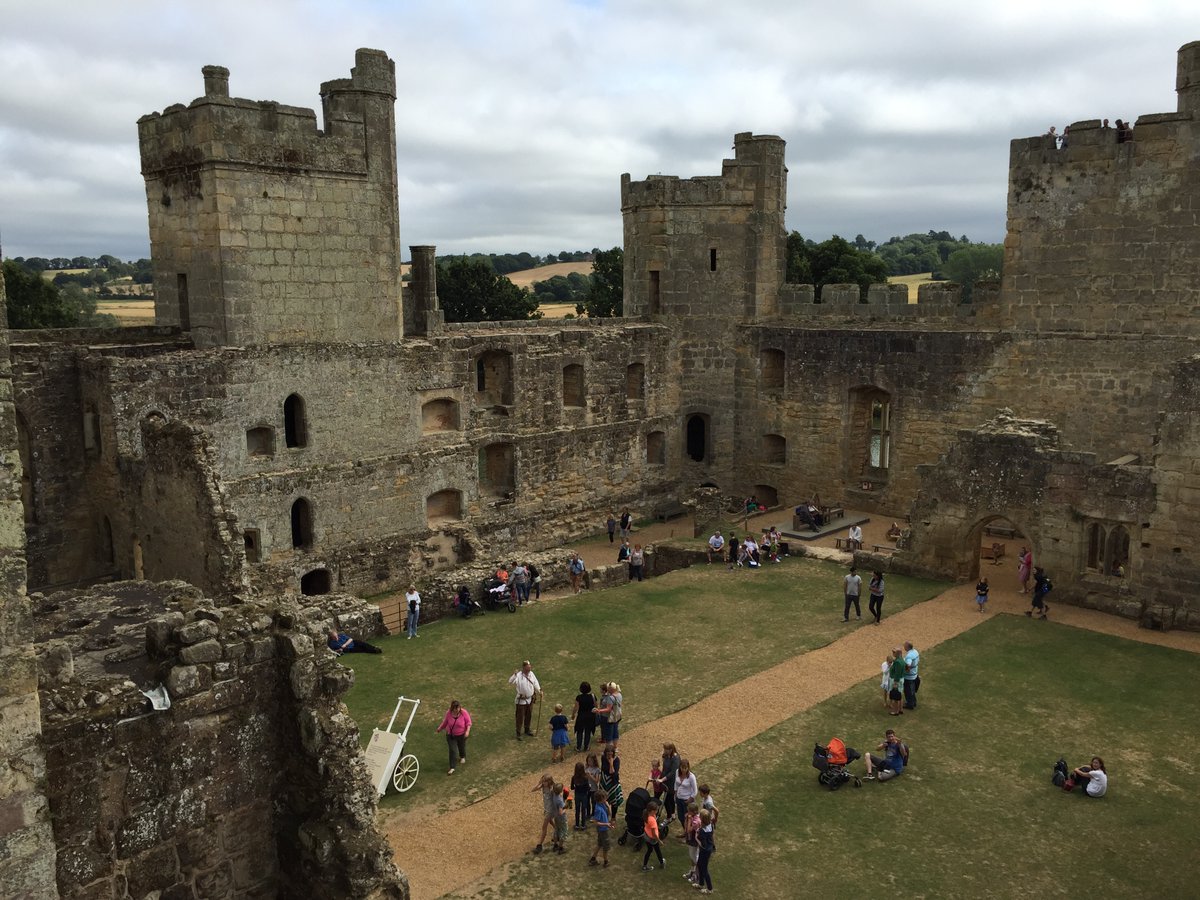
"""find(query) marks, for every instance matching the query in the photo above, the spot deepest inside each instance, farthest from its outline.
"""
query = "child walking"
(650, 835)
(691, 837)
(602, 816)
(981, 594)
(707, 847)
(581, 786)
(559, 739)
(707, 802)
(546, 786)
(560, 819)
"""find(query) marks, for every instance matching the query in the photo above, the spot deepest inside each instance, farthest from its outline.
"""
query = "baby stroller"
(635, 813)
(496, 594)
(832, 764)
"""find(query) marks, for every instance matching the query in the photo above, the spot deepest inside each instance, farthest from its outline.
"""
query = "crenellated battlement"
(938, 302)
(756, 158)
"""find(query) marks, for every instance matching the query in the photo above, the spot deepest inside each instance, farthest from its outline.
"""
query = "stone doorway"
(992, 546)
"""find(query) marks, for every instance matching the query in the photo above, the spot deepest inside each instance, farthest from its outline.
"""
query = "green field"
(975, 814)
(650, 637)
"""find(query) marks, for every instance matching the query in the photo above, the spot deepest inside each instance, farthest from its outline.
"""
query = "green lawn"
(975, 814)
(646, 636)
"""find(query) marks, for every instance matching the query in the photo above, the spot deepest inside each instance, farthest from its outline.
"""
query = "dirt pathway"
(510, 817)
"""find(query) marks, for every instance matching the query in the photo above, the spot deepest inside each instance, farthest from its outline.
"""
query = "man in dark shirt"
(342, 643)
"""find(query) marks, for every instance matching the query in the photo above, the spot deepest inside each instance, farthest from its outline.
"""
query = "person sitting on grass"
(1093, 777)
(895, 758)
(341, 643)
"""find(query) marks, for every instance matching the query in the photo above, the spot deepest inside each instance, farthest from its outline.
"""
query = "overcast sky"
(516, 118)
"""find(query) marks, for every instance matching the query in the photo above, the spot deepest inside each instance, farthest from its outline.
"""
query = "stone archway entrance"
(992, 545)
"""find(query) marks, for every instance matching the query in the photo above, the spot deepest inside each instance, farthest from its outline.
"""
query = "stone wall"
(27, 854)
(250, 784)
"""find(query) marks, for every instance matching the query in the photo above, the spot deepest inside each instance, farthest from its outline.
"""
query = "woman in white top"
(1093, 777)
(686, 790)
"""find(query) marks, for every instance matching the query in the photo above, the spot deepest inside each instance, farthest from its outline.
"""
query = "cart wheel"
(621, 839)
(406, 773)
(512, 607)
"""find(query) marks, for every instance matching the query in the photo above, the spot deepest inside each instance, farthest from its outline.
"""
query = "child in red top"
(655, 781)
(650, 832)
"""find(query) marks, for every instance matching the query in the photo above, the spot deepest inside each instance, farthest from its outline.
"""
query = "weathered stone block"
(204, 652)
(183, 681)
(195, 632)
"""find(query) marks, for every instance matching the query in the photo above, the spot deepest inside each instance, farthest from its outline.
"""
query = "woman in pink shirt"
(457, 725)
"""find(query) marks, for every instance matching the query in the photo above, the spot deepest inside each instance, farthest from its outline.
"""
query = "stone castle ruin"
(191, 502)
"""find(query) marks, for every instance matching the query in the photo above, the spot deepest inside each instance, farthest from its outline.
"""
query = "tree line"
(35, 302)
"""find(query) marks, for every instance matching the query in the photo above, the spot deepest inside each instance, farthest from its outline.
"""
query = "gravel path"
(504, 826)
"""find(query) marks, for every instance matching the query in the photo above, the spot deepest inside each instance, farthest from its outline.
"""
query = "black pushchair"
(832, 764)
(496, 594)
(635, 814)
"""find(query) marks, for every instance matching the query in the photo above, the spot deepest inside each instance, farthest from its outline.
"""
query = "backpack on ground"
(1061, 773)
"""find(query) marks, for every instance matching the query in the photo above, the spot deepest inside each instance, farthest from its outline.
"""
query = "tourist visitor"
(686, 789)
(535, 580)
(893, 761)
(583, 714)
(611, 527)
(519, 579)
(626, 523)
(1093, 777)
(852, 584)
(340, 643)
(650, 836)
(610, 778)
(670, 768)
(575, 569)
(1024, 567)
(581, 787)
(691, 837)
(716, 544)
(981, 593)
(602, 815)
(912, 675)
(896, 676)
(559, 739)
(528, 690)
(457, 726)
(413, 601)
(637, 563)
(1041, 587)
(549, 806)
(875, 604)
(854, 536)
(707, 847)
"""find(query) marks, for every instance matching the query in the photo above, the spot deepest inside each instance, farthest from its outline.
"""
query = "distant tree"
(34, 302)
(606, 293)
(977, 262)
(835, 261)
(471, 292)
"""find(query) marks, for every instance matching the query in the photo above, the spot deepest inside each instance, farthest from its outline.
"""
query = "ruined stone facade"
(298, 425)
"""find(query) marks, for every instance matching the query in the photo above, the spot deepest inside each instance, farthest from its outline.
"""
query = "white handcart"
(385, 753)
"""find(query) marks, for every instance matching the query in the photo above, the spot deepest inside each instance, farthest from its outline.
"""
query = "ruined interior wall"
(27, 853)
(251, 784)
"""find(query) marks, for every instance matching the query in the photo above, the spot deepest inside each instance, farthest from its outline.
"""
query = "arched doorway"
(995, 545)
(697, 437)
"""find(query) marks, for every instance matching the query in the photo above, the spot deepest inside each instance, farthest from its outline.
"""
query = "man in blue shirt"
(912, 679)
(342, 643)
(895, 758)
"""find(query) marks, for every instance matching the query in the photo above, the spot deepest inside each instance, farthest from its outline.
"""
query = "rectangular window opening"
(185, 313)
(712, 259)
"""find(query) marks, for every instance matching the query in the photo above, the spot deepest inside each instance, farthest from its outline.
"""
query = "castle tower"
(265, 229)
(712, 245)
(1187, 78)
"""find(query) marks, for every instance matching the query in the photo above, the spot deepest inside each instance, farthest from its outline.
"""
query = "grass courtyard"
(975, 814)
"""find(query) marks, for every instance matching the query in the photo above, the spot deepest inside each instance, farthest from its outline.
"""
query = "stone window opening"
(316, 583)
(252, 541)
(774, 449)
(1117, 555)
(440, 415)
(697, 437)
(295, 422)
(655, 293)
(869, 421)
(635, 382)
(573, 390)
(656, 448)
(443, 506)
(1097, 544)
(260, 441)
(91, 431)
(108, 552)
(772, 370)
(497, 471)
(302, 524)
(494, 380)
(712, 259)
(184, 301)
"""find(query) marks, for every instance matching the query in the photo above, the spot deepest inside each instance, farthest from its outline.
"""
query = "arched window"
(439, 415)
(295, 422)
(870, 426)
(107, 551)
(316, 583)
(1117, 558)
(302, 524)
(697, 437)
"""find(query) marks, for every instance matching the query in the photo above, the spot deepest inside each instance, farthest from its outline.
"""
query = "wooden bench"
(841, 543)
(833, 512)
(883, 548)
(1004, 531)
(995, 553)
(671, 511)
